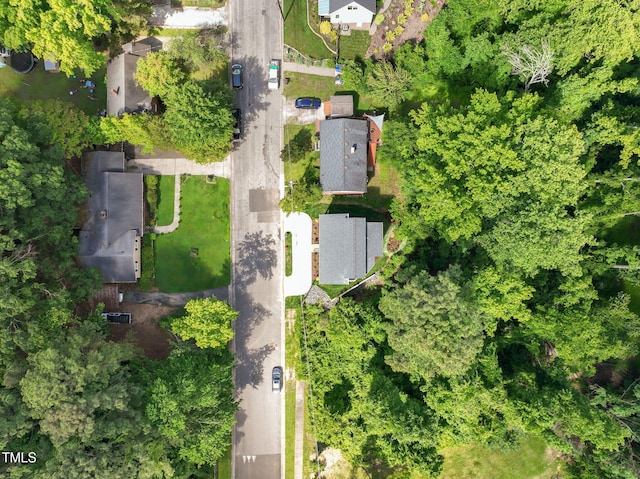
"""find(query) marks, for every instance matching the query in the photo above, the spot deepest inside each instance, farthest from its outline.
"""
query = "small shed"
(340, 106)
(51, 66)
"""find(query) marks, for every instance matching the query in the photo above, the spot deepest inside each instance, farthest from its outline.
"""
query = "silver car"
(276, 379)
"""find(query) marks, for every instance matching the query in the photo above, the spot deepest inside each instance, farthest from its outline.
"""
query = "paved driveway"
(300, 227)
(302, 116)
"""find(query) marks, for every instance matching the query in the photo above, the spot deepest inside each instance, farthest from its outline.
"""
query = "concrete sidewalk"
(179, 166)
(188, 17)
(309, 70)
(300, 227)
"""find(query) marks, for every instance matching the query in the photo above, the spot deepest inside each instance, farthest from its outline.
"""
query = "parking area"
(300, 227)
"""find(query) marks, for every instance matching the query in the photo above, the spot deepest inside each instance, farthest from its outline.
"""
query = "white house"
(354, 13)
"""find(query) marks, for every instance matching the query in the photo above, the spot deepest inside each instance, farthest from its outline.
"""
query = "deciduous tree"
(208, 322)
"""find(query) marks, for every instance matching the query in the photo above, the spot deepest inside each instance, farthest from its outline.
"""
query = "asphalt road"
(257, 249)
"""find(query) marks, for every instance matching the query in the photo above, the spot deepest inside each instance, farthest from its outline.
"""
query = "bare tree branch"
(531, 64)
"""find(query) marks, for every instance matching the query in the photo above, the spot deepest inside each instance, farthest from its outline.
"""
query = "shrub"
(298, 146)
(378, 19)
(408, 11)
(425, 17)
(151, 182)
(398, 30)
(402, 19)
(148, 267)
(325, 28)
(387, 47)
(391, 36)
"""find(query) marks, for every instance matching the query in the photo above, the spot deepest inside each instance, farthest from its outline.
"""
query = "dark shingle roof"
(120, 78)
(343, 155)
(110, 237)
(348, 247)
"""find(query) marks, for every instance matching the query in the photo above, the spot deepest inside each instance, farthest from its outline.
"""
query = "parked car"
(274, 75)
(276, 379)
(236, 76)
(308, 103)
(237, 126)
(118, 318)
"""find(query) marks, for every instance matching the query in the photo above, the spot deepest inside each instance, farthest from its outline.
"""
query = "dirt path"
(145, 331)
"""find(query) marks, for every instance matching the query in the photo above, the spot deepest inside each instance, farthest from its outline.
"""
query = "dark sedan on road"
(236, 76)
(237, 125)
(308, 103)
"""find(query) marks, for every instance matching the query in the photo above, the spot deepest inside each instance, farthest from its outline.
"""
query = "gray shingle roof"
(110, 237)
(348, 247)
(120, 78)
(338, 4)
(343, 155)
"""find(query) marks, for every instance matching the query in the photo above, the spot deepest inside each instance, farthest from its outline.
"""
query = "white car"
(274, 75)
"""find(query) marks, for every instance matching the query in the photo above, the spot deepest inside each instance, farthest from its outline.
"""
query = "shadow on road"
(256, 255)
(249, 361)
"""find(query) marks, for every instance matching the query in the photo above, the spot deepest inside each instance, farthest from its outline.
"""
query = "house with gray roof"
(343, 156)
(123, 94)
(348, 247)
(110, 238)
(356, 14)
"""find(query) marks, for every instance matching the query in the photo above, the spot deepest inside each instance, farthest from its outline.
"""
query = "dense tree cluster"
(519, 166)
(197, 120)
(68, 32)
(85, 405)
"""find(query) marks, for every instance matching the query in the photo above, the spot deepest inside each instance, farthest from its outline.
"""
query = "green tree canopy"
(208, 321)
(66, 31)
(190, 399)
(435, 328)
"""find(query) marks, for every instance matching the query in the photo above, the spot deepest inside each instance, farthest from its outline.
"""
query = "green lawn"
(224, 466)
(204, 226)
(40, 85)
(166, 189)
(297, 33)
(288, 255)
(529, 461)
(301, 84)
(355, 45)
(290, 429)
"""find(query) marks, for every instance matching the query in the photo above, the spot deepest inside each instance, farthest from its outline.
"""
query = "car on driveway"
(237, 125)
(308, 103)
(236, 76)
(276, 379)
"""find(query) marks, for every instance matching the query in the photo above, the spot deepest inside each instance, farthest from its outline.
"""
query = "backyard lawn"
(39, 85)
(166, 188)
(196, 256)
(530, 461)
(355, 45)
(297, 33)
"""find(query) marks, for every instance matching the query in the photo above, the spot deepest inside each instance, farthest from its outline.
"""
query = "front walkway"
(176, 210)
(300, 227)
